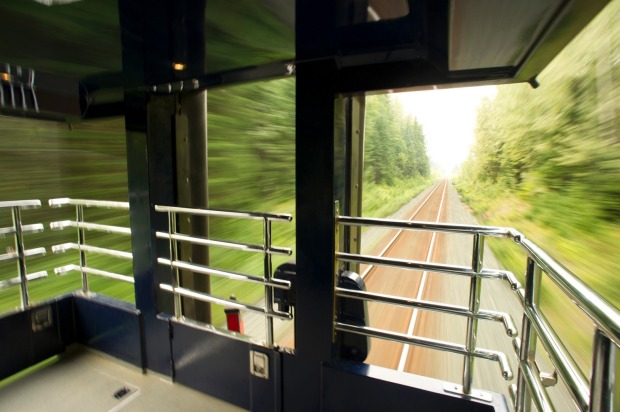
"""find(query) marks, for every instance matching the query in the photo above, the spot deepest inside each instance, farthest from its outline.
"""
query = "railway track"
(404, 244)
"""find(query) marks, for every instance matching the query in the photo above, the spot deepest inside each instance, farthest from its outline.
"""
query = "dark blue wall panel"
(15, 340)
(23, 345)
(66, 320)
(266, 394)
(212, 364)
(354, 386)
(111, 326)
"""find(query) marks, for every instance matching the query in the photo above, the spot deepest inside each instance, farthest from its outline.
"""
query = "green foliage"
(547, 162)
(395, 148)
(251, 149)
(561, 141)
(252, 145)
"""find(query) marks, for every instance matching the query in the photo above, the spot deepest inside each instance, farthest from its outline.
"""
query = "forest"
(547, 161)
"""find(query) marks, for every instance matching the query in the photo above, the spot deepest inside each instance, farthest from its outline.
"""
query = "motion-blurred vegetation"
(251, 152)
(44, 160)
(547, 161)
(396, 164)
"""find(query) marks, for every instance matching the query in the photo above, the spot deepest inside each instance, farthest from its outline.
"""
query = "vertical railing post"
(79, 219)
(174, 271)
(474, 307)
(527, 353)
(336, 264)
(267, 277)
(603, 370)
(21, 256)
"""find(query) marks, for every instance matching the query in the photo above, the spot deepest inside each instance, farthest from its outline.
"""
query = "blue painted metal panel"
(16, 342)
(266, 394)
(150, 162)
(27, 345)
(315, 230)
(211, 363)
(45, 338)
(357, 386)
(111, 326)
(66, 319)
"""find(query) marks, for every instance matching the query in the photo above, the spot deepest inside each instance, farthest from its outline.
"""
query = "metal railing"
(266, 248)
(82, 247)
(20, 253)
(593, 395)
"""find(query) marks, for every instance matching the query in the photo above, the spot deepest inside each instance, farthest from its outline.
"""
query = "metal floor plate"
(85, 380)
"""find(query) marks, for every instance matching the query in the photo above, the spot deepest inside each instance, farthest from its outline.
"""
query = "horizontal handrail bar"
(90, 226)
(499, 357)
(602, 313)
(39, 251)
(566, 366)
(74, 246)
(274, 283)
(418, 265)
(34, 228)
(281, 217)
(205, 297)
(23, 204)
(504, 318)
(77, 268)
(430, 226)
(16, 281)
(246, 247)
(88, 203)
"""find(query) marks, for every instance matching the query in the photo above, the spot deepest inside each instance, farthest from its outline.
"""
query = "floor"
(86, 380)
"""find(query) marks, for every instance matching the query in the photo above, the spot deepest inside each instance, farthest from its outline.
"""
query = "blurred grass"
(381, 200)
(588, 251)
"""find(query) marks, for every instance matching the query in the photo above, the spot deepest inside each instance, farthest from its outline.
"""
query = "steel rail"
(420, 266)
(234, 304)
(391, 242)
(33, 228)
(39, 251)
(600, 311)
(535, 387)
(17, 280)
(501, 317)
(429, 343)
(205, 270)
(22, 204)
(490, 231)
(421, 286)
(107, 204)
(245, 247)
(86, 269)
(60, 225)
(94, 249)
(560, 358)
(280, 217)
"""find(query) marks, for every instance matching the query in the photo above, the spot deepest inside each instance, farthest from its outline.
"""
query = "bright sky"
(448, 118)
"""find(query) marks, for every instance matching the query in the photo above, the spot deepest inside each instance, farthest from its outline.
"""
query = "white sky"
(448, 118)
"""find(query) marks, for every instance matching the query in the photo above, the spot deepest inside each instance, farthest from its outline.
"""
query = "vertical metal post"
(336, 264)
(474, 307)
(192, 191)
(174, 253)
(79, 219)
(533, 274)
(267, 276)
(603, 374)
(355, 113)
(21, 257)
